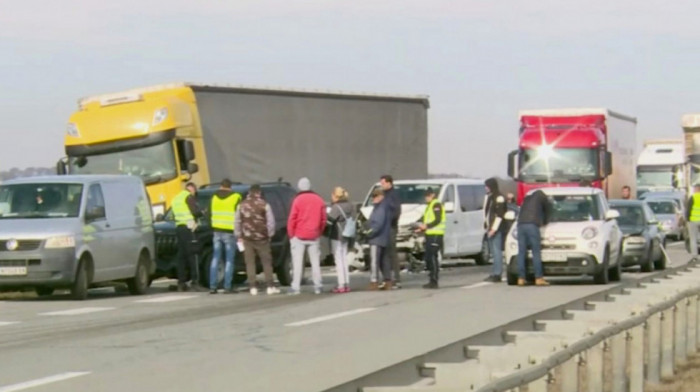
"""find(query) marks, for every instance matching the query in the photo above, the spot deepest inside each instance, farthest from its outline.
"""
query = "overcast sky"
(480, 61)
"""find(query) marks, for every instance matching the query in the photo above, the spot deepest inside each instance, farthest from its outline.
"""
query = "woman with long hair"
(341, 214)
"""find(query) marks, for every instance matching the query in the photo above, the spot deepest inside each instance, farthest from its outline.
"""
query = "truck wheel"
(43, 291)
(484, 256)
(602, 276)
(79, 289)
(648, 262)
(284, 270)
(138, 285)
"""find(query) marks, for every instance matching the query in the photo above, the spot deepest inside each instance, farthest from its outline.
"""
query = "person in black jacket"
(494, 213)
(187, 244)
(393, 204)
(533, 215)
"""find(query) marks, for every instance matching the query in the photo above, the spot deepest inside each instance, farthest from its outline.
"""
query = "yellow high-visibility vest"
(223, 211)
(695, 211)
(183, 215)
(429, 216)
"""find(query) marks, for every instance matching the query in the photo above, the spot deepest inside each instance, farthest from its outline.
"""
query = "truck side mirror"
(61, 167)
(189, 151)
(192, 168)
(512, 164)
(608, 169)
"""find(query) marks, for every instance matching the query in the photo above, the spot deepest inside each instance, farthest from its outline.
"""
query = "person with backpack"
(341, 218)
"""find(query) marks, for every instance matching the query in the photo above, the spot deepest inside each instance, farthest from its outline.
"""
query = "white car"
(582, 237)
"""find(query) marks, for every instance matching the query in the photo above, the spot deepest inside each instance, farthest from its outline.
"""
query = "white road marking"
(4, 323)
(477, 285)
(74, 312)
(42, 381)
(329, 317)
(165, 298)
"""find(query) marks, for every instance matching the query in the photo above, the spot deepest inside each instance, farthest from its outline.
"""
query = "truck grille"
(166, 244)
(21, 245)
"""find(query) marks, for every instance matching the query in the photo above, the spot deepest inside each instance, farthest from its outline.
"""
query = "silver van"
(75, 232)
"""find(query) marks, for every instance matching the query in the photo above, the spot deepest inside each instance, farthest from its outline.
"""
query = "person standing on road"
(509, 218)
(186, 212)
(533, 215)
(391, 197)
(223, 216)
(434, 228)
(693, 219)
(494, 212)
(342, 214)
(377, 232)
(254, 227)
(306, 223)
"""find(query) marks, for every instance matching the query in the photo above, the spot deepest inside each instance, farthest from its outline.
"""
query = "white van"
(75, 232)
(463, 200)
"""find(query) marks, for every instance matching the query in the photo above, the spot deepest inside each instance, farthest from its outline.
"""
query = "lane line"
(74, 312)
(4, 323)
(329, 317)
(477, 285)
(42, 381)
(165, 298)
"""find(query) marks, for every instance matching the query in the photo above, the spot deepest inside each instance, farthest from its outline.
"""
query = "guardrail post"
(681, 310)
(692, 343)
(618, 353)
(636, 359)
(594, 367)
(667, 343)
(653, 342)
(568, 375)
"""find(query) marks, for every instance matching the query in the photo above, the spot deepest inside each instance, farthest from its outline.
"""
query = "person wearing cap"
(305, 226)
(223, 214)
(393, 202)
(186, 212)
(434, 228)
(377, 231)
(693, 218)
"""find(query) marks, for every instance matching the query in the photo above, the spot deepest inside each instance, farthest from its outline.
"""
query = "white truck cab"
(582, 237)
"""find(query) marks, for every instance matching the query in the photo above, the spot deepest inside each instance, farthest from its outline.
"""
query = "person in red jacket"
(306, 223)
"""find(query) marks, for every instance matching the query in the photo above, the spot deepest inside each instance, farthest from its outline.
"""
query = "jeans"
(299, 248)
(433, 246)
(340, 255)
(222, 242)
(529, 237)
(379, 262)
(495, 246)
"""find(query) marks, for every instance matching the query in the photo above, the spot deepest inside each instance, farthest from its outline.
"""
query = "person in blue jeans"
(494, 211)
(533, 215)
(223, 213)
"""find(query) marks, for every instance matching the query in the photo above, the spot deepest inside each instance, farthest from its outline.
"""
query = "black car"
(642, 237)
(278, 194)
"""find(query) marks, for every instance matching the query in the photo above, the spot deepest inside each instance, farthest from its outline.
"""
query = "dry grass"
(687, 378)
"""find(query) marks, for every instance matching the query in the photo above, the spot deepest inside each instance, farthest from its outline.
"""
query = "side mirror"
(192, 167)
(62, 167)
(512, 164)
(612, 214)
(449, 206)
(189, 151)
(160, 218)
(94, 213)
(608, 169)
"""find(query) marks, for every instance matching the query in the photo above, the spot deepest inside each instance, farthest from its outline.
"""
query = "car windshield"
(409, 193)
(655, 176)
(559, 164)
(629, 215)
(154, 164)
(574, 208)
(662, 207)
(43, 200)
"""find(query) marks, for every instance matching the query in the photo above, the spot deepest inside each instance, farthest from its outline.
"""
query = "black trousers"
(186, 258)
(392, 256)
(433, 247)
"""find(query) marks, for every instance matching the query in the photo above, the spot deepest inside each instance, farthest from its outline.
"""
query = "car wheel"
(602, 276)
(43, 291)
(138, 285)
(660, 264)
(615, 273)
(484, 256)
(205, 266)
(79, 289)
(284, 270)
(648, 262)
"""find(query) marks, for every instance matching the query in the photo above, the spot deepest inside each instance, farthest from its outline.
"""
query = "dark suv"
(278, 194)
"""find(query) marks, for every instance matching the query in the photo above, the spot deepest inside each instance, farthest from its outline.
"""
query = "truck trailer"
(691, 137)
(660, 166)
(572, 147)
(170, 134)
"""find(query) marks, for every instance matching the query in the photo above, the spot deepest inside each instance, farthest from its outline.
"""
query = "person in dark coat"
(494, 213)
(378, 231)
(533, 215)
(391, 198)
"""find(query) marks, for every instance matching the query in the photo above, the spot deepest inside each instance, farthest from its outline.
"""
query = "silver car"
(670, 217)
(75, 232)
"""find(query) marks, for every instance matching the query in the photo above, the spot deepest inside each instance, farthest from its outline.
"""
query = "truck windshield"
(574, 208)
(655, 176)
(409, 193)
(154, 163)
(558, 164)
(41, 200)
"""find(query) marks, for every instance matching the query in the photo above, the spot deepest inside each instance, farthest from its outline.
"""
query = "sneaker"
(347, 289)
(181, 288)
(253, 291)
(373, 286)
(541, 282)
(272, 290)
(318, 291)
(213, 291)
(396, 286)
(387, 286)
(230, 291)
(293, 292)
(338, 290)
(430, 286)
(521, 282)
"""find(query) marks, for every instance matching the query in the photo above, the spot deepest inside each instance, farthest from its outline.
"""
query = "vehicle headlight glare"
(589, 233)
(63, 241)
(159, 116)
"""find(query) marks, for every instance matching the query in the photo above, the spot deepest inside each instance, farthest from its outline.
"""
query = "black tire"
(79, 288)
(660, 264)
(648, 262)
(44, 291)
(138, 285)
(205, 265)
(602, 276)
(284, 270)
(484, 257)
(615, 273)
(512, 279)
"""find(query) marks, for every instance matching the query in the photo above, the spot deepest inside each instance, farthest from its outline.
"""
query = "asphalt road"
(196, 341)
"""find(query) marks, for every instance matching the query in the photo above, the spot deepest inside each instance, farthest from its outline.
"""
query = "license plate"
(13, 271)
(554, 256)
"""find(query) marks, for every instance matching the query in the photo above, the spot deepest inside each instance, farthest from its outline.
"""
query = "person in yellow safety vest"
(434, 228)
(223, 214)
(186, 212)
(693, 219)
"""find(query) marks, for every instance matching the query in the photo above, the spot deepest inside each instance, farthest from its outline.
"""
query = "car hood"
(632, 230)
(38, 228)
(566, 230)
(666, 217)
(410, 213)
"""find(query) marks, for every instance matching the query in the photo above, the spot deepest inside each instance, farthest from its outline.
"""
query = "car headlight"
(593, 244)
(63, 241)
(159, 116)
(72, 130)
(589, 233)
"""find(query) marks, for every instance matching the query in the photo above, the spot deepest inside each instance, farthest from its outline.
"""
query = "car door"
(452, 226)
(122, 214)
(96, 235)
(471, 198)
